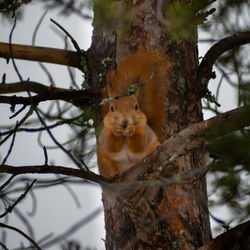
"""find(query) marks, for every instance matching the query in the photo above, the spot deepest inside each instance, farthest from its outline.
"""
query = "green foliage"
(181, 85)
(85, 70)
(230, 17)
(231, 171)
(211, 98)
(184, 18)
(109, 14)
(80, 8)
(232, 150)
(10, 8)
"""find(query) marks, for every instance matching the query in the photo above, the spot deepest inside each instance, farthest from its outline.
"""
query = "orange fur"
(129, 134)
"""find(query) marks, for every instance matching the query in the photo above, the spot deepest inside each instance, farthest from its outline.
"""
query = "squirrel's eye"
(112, 108)
(136, 107)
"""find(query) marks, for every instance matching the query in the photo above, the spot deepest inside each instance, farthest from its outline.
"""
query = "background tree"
(177, 196)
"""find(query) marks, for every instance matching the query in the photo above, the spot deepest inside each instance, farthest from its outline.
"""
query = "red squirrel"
(133, 125)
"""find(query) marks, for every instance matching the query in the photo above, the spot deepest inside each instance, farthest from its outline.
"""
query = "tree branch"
(190, 138)
(35, 87)
(236, 238)
(50, 169)
(20, 198)
(22, 233)
(177, 145)
(206, 65)
(41, 54)
(77, 97)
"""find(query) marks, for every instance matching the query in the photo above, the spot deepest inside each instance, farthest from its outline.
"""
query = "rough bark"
(172, 217)
(101, 57)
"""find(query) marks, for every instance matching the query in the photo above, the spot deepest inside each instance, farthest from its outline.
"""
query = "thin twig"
(18, 112)
(33, 130)
(7, 182)
(205, 67)
(52, 169)
(25, 222)
(45, 156)
(22, 233)
(11, 145)
(11, 51)
(3, 246)
(45, 183)
(20, 198)
(33, 43)
(75, 44)
(74, 227)
(76, 161)
(29, 113)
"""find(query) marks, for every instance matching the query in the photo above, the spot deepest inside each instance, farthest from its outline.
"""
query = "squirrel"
(134, 124)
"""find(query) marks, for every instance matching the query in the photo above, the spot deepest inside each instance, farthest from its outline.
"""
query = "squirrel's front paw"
(117, 130)
(129, 130)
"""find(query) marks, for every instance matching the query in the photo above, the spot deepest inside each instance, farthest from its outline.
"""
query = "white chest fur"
(126, 158)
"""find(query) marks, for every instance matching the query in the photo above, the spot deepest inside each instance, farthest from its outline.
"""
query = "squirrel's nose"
(124, 124)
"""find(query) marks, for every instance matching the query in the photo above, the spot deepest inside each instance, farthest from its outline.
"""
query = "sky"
(56, 209)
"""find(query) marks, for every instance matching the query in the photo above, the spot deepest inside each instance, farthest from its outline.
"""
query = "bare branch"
(20, 198)
(82, 222)
(77, 97)
(34, 130)
(192, 137)
(27, 115)
(236, 238)
(50, 169)
(5, 184)
(206, 65)
(22, 233)
(31, 86)
(75, 44)
(3, 246)
(11, 145)
(41, 54)
(218, 49)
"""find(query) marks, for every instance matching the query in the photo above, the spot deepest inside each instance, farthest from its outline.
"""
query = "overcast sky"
(56, 210)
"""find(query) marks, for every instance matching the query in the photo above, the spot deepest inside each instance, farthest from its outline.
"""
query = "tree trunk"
(169, 217)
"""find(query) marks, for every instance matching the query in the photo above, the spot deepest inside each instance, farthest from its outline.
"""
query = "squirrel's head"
(125, 111)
